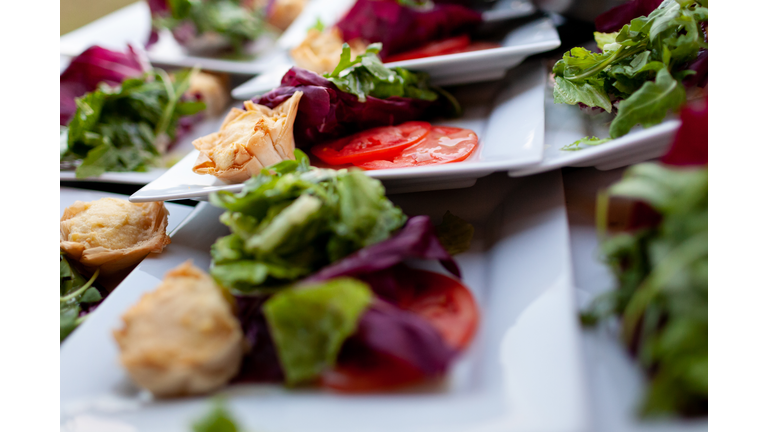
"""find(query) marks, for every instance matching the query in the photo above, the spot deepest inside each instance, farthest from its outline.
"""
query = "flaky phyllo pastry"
(248, 141)
(111, 234)
(320, 51)
(183, 338)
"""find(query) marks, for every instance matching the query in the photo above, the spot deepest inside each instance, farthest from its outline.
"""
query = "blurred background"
(77, 13)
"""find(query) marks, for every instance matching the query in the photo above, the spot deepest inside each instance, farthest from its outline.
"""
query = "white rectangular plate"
(462, 68)
(523, 371)
(564, 124)
(507, 116)
(132, 25)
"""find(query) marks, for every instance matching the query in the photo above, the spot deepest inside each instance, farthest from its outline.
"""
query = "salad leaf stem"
(82, 289)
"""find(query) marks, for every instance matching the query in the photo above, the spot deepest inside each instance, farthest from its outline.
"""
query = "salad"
(119, 114)
(315, 274)
(406, 29)
(660, 260)
(210, 26)
(643, 67)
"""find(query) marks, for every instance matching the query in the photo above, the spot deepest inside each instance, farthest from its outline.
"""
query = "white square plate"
(462, 68)
(523, 371)
(564, 124)
(508, 117)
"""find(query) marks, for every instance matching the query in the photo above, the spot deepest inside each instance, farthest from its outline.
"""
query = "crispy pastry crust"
(112, 261)
(320, 51)
(248, 141)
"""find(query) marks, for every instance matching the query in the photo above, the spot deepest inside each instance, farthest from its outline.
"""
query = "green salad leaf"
(218, 419)
(662, 295)
(366, 75)
(309, 324)
(641, 66)
(593, 141)
(75, 291)
(125, 128)
(455, 234)
(291, 220)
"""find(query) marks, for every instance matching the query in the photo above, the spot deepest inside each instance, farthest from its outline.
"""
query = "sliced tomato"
(444, 302)
(447, 304)
(443, 145)
(377, 143)
(436, 48)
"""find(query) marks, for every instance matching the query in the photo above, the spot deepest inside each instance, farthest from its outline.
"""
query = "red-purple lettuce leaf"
(326, 113)
(614, 19)
(416, 240)
(691, 144)
(260, 363)
(96, 65)
(400, 28)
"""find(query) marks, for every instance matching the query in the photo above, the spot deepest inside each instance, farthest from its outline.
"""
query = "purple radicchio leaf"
(327, 113)
(417, 239)
(700, 66)
(260, 363)
(96, 65)
(396, 333)
(614, 19)
(400, 28)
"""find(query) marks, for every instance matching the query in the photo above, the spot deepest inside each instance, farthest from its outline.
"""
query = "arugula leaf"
(366, 75)
(292, 220)
(309, 324)
(319, 26)
(642, 66)
(649, 105)
(593, 141)
(218, 419)
(124, 128)
(74, 290)
(455, 234)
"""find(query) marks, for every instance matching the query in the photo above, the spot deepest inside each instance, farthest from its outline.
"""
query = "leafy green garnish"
(319, 26)
(292, 220)
(229, 18)
(455, 234)
(593, 141)
(366, 75)
(642, 66)
(309, 324)
(74, 291)
(662, 272)
(124, 128)
(218, 419)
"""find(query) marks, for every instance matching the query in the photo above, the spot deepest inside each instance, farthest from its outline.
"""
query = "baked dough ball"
(212, 89)
(248, 141)
(283, 12)
(182, 338)
(112, 234)
(320, 51)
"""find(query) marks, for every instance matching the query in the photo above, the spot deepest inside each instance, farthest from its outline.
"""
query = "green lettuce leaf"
(218, 419)
(455, 234)
(572, 93)
(649, 105)
(310, 323)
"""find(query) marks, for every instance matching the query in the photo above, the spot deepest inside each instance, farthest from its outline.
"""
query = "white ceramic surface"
(485, 65)
(132, 25)
(178, 151)
(564, 124)
(507, 116)
(523, 372)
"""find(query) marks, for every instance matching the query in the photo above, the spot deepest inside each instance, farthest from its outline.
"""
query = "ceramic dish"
(564, 124)
(485, 65)
(508, 117)
(522, 372)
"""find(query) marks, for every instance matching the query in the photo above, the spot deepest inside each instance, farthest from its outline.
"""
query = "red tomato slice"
(377, 143)
(436, 48)
(443, 145)
(444, 302)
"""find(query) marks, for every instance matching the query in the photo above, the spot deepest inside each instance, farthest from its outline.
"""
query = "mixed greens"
(217, 419)
(292, 220)
(661, 264)
(76, 295)
(642, 66)
(236, 22)
(126, 127)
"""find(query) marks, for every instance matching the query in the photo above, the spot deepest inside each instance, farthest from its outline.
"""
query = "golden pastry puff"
(248, 141)
(112, 234)
(283, 12)
(320, 51)
(183, 338)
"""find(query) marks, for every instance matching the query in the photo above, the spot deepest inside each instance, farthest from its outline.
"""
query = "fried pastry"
(111, 234)
(183, 338)
(248, 141)
(320, 51)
